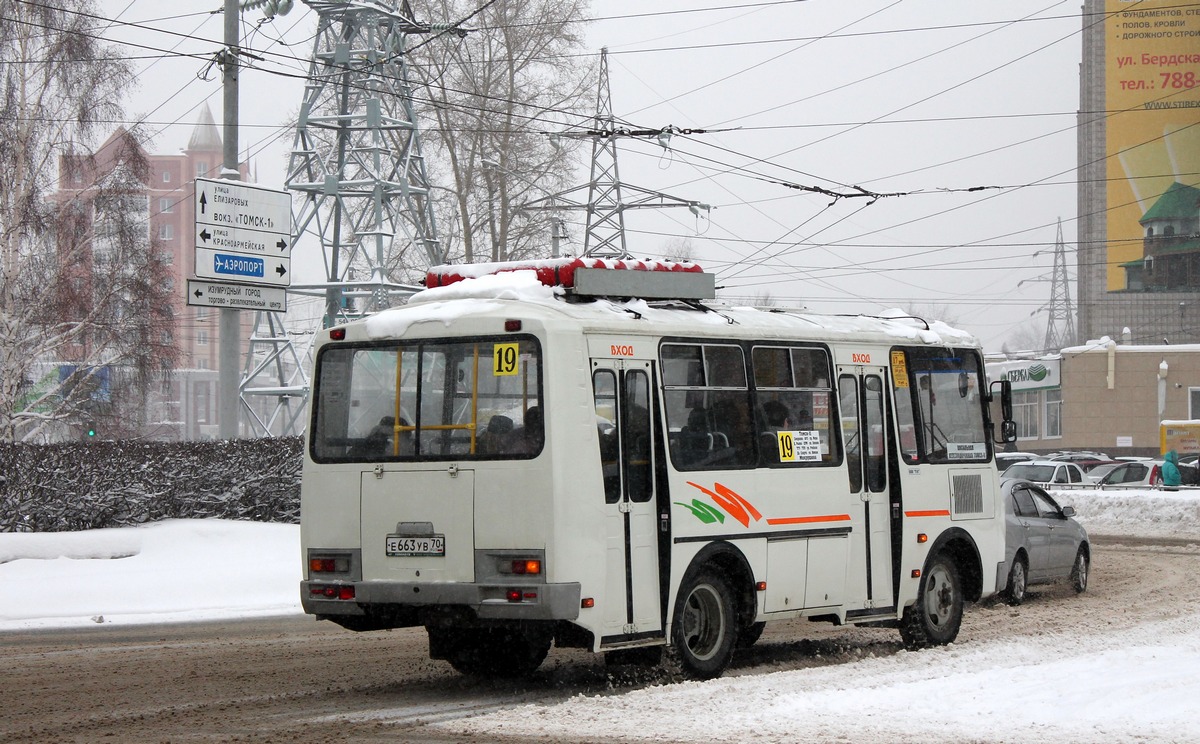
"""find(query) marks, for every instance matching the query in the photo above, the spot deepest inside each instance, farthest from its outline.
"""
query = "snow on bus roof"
(487, 294)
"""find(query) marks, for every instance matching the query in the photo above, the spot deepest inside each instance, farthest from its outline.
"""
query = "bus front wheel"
(934, 619)
(704, 628)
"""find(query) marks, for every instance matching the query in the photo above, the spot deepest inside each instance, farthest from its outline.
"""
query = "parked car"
(1134, 473)
(1078, 456)
(1189, 470)
(1044, 543)
(1046, 471)
(1004, 459)
(1085, 460)
(1096, 474)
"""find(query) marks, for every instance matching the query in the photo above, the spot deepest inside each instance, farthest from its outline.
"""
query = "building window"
(1025, 413)
(1193, 403)
(166, 176)
(166, 231)
(166, 205)
(202, 338)
(201, 168)
(1054, 413)
(201, 313)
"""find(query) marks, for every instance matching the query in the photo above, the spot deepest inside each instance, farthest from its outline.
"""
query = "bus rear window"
(429, 400)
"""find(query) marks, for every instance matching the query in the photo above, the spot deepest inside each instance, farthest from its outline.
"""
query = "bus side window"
(604, 395)
(635, 435)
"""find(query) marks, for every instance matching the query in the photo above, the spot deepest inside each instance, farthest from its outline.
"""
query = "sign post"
(243, 237)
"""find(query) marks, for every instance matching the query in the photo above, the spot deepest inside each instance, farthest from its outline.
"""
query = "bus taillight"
(332, 591)
(328, 565)
(527, 567)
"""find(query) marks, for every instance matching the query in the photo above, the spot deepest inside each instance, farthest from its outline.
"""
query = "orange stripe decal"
(929, 513)
(810, 520)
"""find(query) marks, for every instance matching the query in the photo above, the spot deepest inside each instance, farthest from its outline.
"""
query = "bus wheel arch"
(958, 544)
(952, 576)
(732, 565)
(715, 602)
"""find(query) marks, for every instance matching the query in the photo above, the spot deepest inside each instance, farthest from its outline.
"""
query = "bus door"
(864, 431)
(625, 420)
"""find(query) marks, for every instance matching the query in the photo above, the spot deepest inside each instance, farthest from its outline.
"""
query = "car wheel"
(1079, 573)
(937, 614)
(1018, 582)
(704, 628)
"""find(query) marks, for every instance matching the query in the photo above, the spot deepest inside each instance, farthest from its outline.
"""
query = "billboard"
(1152, 97)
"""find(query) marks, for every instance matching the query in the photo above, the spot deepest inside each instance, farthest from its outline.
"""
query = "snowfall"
(1130, 684)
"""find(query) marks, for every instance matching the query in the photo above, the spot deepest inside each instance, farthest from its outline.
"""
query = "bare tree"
(679, 249)
(933, 311)
(1025, 339)
(84, 297)
(495, 95)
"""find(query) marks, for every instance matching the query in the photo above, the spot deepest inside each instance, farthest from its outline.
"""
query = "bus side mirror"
(1008, 427)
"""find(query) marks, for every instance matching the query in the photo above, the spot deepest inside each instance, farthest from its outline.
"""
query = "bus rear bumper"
(486, 601)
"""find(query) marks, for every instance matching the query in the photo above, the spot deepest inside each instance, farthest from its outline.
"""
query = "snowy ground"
(1138, 683)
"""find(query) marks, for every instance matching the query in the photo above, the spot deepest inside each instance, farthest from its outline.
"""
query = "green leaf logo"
(1038, 372)
(703, 511)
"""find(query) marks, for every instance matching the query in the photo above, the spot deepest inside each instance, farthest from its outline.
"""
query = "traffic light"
(89, 431)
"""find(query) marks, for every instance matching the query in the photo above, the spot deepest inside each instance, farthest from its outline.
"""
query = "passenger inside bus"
(528, 439)
(492, 440)
(733, 421)
(378, 441)
(777, 418)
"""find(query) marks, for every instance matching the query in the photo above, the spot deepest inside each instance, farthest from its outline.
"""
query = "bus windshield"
(939, 409)
(428, 400)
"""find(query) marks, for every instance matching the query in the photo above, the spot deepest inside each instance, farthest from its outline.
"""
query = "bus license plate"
(416, 545)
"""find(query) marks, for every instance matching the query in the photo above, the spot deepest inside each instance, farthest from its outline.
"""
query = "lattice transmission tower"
(606, 194)
(357, 159)
(1060, 324)
(359, 183)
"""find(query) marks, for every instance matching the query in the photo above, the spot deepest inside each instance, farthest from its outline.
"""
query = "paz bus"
(591, 453)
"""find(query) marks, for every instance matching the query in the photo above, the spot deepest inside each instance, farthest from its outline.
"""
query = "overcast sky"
(920, 98)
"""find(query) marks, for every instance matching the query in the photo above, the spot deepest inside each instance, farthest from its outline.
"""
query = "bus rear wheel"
(937, 614)
(490, 652)
(704, 629)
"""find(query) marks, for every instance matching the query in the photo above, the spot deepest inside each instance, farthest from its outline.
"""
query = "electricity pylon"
(1060, 326)
(357, 159)
(358, 168)
(606, 205)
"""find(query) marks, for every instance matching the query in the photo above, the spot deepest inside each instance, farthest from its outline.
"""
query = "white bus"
(519, 460)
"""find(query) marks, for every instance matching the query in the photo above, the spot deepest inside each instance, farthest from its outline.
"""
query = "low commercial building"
(1101, 396)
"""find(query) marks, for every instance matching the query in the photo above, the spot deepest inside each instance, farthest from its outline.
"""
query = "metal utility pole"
(229, 320)
(1060, 326)
(357, 160)
(606, 206)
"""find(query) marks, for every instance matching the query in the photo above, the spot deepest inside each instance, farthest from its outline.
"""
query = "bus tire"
(704, 629)
(491, 652)
(934, 619)
(750, 634)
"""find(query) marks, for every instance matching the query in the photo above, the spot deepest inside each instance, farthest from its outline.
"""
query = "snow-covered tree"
(84, 296)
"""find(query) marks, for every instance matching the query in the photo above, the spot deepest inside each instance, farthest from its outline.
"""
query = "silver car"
(1044, 543)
